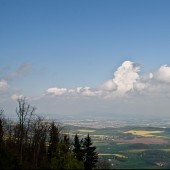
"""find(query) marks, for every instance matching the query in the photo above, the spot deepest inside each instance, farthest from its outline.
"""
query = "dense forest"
(31, 142)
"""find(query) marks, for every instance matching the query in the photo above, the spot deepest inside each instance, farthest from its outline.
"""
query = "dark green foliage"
(152, 156)
(103, 164)
(1, 127)
(53, 150)
(138, 146)
(1, 132)
(45, 148)
(33, 143)
(90, 156)
(78, 152)
(84, 151)
(66, 161)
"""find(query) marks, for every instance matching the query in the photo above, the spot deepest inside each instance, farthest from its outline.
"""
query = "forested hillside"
(32, 142)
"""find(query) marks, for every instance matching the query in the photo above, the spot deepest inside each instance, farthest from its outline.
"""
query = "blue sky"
(69, 44)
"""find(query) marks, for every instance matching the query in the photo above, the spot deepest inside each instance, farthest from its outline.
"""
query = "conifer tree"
(1, 128)
(90, 156)
(1, 132)
(78, 152)
(53, 143)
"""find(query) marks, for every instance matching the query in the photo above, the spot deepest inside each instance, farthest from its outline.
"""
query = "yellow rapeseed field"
(143, 132)
(110, 154)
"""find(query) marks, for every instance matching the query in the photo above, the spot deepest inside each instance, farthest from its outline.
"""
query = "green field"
(126, 147)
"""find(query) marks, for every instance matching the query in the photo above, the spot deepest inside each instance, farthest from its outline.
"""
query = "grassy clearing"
(109, 154)
(166, 150)
(86, 130)
(100, 136)
(143, 133)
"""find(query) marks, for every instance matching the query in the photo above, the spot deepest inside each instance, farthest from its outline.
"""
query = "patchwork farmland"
(130, 147)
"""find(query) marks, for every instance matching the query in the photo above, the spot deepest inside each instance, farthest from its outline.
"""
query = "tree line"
(32, 142)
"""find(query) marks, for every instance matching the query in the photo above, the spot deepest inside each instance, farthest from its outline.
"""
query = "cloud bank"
(126, 80)
(126, 92)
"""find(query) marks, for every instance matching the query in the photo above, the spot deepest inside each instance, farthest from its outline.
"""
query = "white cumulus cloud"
(163, 74)
(156, 83)
(81, 91)
(87, 91)
(56, 91)
(125, 76)
(109, 85)
(127, 80)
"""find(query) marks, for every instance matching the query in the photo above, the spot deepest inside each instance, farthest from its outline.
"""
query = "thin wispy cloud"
(15, 97)
(10, 91)
(3, 85)
(21, 71)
